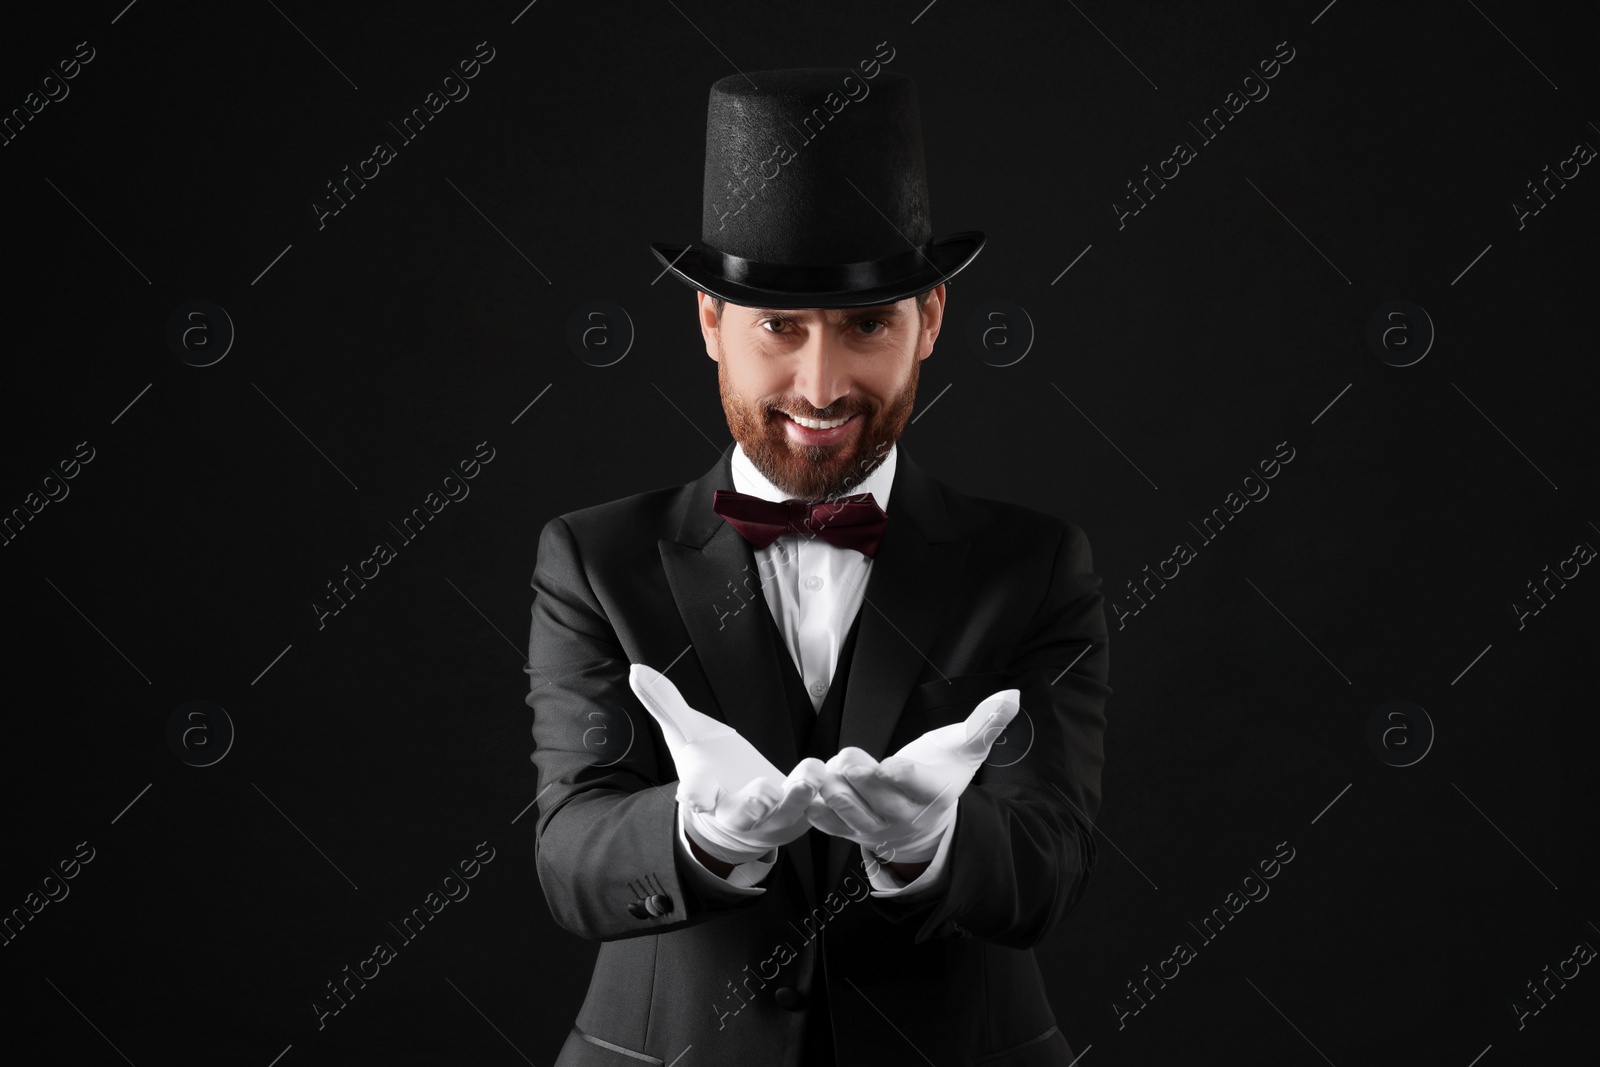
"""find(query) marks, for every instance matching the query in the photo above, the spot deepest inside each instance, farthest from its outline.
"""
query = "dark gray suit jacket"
(966, 597)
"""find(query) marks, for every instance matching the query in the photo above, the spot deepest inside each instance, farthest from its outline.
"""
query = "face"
(858, 364)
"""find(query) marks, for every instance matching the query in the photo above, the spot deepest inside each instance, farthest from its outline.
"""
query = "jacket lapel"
(906, 606)
(713, 575)
(714, 579)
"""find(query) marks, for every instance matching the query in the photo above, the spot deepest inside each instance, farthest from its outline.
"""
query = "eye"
(864, 323)
(770, 322)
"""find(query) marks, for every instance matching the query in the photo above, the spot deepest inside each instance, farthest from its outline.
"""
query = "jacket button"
(947, 929)
(636, 909)
(658, 904)
(789, 998)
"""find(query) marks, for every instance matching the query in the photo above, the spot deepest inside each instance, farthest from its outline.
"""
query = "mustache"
(817, 415)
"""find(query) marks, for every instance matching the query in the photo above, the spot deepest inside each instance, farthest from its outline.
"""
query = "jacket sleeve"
(604, 845)
(1023, 847)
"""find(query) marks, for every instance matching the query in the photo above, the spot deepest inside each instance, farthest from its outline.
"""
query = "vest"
(816, 733)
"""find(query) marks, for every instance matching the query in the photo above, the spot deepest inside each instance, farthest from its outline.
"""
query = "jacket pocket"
(943, 702)
(586, 1050)
(1049, 1049)
(968, 689)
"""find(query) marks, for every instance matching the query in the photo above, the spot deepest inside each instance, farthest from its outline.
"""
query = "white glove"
(735, 804)
(899, 809)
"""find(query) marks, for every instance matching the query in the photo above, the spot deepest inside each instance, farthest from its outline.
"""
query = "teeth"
(818, 424)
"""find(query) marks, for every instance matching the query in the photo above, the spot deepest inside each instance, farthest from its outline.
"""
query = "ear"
(932, 320)
(706, 309)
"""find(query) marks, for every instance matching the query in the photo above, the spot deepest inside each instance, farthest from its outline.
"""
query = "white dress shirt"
(814, 590)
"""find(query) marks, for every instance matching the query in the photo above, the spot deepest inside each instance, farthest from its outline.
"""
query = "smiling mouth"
(819, 424)
(833, 431)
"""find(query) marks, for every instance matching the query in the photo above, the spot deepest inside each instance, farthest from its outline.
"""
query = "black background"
(378, 351)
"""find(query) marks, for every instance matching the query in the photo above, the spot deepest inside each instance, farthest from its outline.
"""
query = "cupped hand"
(900, 807)
(735, 804)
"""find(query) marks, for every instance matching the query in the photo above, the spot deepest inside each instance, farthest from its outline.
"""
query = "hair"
(922, 300)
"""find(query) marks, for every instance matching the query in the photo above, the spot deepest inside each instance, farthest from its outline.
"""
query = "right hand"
(735, 804)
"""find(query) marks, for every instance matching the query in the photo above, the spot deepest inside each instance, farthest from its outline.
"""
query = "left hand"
(899, 809)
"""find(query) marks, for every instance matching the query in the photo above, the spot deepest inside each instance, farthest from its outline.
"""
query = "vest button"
(818, 688)
(788, 998)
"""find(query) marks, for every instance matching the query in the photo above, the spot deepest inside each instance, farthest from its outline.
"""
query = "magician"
(818, 737)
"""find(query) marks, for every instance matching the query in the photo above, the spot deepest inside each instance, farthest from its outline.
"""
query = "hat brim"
(945, 258)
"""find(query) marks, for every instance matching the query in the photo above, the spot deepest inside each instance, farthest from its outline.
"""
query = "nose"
(822, 371)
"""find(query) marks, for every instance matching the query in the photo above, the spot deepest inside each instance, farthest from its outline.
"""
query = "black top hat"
(815, 194)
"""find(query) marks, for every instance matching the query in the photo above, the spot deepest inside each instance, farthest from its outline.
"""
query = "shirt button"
(813, 582)
(818, 689)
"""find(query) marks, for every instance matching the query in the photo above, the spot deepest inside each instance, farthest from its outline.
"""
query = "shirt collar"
(747, 479)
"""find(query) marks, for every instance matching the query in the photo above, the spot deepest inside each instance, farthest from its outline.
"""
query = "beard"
(815, 472)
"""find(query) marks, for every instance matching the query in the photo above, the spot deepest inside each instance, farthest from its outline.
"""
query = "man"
(767, 703)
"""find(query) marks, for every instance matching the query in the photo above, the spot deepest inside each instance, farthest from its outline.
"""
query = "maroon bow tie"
(849, 522)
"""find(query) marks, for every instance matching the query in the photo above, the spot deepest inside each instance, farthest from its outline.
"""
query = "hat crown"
(815, 166)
